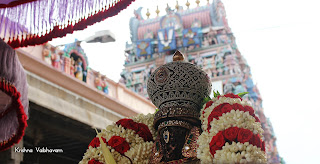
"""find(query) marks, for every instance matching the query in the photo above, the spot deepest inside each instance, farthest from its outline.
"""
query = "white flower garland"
(235, 118)
(239, 153)
(147, 120)
(236, 152)
(139, 151)
(203, 152)
(217, 102)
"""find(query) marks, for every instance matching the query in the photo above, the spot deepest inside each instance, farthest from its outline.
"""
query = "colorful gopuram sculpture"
(73, 61)
(204, 36)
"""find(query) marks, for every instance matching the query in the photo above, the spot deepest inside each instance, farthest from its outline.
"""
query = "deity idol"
(78, 69)
(187, 128)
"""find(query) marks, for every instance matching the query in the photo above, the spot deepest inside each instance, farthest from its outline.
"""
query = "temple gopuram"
(205, 38)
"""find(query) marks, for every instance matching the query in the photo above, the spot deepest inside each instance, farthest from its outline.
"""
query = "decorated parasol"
(34, 22)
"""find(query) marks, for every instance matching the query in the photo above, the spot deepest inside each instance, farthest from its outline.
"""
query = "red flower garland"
(231, 95)
(141, 129)
(208, 104)
(128, 123)
(237, 135)
(11, 91)
(249, 108)
(225, 108)
(244, 135)
(119, 144)
(238, 106)
(93, 161)
(96, 142)
(231, 133)
(218, 139)
(144, 132)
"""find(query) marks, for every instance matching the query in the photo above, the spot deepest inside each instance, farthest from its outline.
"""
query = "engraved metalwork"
(166, 136)
(186, 85)
(161, 75)
(174, 123)
(177, 89)
(191, 146)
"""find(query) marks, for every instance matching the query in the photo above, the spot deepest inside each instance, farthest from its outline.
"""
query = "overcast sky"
(279, 39)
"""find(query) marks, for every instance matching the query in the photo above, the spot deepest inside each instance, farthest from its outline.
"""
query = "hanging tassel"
(69, 28)
(41, 40)
(31, 41)
(15, 43)
(36, 39)
(9, 41)
(22, 41)
(26, 41)
(46, 36)
(60, 32)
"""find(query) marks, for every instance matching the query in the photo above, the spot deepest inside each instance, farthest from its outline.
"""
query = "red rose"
(128, 123)
(249, 108)
(216, 143)
(213, 149)
(219, 107)
(257, 119)
(237, 106)
(263, 146)
(209, 103)
(231, 95)
(255, 140)
(218, 140)
(244, 135)
(119, 144)
(144, 132)
(216, 113)
(96, 142)
(226, 108)
(231, 133)
(93, 161)
(213, 114)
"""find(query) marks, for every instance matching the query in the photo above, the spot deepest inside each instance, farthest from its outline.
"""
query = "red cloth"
(13, 83)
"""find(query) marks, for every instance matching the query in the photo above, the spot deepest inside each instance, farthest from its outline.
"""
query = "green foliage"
(205, 100)
(156, 110)
(216, 94)
(242, 94)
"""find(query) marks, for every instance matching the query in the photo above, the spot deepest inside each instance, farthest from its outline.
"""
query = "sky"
(280, 41)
